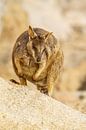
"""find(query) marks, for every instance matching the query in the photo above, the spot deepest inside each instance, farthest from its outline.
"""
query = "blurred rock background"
(65, 18)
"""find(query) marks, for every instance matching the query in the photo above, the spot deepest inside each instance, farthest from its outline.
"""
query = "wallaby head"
(37, 45)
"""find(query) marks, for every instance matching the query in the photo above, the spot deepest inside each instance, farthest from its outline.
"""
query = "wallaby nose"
(38, 59)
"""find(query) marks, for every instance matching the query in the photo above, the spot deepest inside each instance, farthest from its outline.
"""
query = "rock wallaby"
(37, 57)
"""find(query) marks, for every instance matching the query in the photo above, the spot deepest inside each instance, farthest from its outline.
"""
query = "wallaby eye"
(34, 48)
(39, 37)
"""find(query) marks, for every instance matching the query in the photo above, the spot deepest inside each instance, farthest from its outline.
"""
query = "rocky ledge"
(25, 108)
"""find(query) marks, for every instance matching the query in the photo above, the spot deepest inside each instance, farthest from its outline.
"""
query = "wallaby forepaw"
(14, 81)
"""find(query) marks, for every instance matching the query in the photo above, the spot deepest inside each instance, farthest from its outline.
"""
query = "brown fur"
(37, 57)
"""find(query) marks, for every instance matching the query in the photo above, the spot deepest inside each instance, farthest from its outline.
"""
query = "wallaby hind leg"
(19, 72)
(51, 80)
(41, 86)
(54, 73)
(22, 81)
(43, 89)
(14, 81)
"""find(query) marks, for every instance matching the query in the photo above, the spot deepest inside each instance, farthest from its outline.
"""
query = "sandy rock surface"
(76, 100)
(24, 108)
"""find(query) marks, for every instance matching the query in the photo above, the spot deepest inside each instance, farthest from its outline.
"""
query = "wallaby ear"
(47, 35)
(31, 32)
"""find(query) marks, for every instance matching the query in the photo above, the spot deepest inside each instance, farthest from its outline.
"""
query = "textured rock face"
(24, 108)
(76, 100)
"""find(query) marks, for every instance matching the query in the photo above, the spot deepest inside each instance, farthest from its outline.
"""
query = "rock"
(76, 100)
(24, 108)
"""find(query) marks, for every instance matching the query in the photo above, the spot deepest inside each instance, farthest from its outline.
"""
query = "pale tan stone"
(24, 108)
(76, 99)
